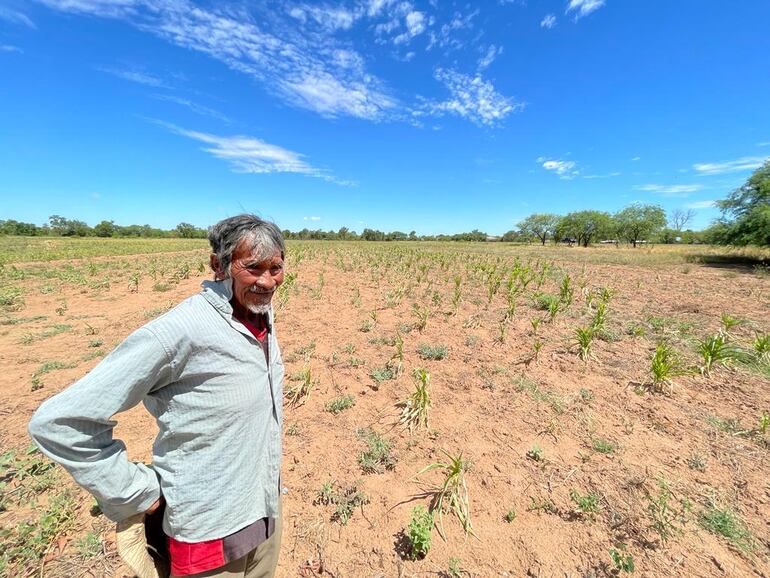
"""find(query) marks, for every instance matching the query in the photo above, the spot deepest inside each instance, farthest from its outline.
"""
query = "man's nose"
(265, 280)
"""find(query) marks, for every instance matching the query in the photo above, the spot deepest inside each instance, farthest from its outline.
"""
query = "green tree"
(584, 226)
(105, 229)
(746, 211)
(187, 231)
(639, 222)
(541, 225)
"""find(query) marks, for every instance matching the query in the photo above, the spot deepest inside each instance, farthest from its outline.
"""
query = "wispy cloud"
(764, 144)
(584, 7)
(548, 22)
(701, 205)
(566, 170)
(489, 57)
(134, 75)
(10, 48)
(742, 164)
(193, 106)
(472, 98)
(247, 154)
(312, 218)
(607, 176)
(449, 35)
(636, 158)
(16, 17)
(669, 190)
(301, 65)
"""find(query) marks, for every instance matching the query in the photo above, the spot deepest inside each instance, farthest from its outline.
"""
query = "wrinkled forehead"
(253, 248)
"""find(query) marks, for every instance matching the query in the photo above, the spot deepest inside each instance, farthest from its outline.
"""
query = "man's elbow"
(39, 427)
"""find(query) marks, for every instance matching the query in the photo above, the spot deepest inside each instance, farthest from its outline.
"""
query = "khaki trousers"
(259, 563)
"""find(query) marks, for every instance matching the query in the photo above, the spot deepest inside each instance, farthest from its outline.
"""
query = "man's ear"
(215, 265)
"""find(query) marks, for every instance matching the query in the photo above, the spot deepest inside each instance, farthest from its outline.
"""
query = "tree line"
(745, 220)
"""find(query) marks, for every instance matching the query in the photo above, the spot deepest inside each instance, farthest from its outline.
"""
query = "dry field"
(574, 419)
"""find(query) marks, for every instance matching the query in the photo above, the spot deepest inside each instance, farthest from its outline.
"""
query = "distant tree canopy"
(639, 222)
(585, 227)
(745, 213)
(541, 225)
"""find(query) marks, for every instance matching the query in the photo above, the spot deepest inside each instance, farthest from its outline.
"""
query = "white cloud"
(193, 106)
(669, 190)
(763, 144)
(247, 154)
(548, 22)
(16, 17)
(298, 64)
(488, 58)
(135, 75)
(565, 169)
(446, 37)
(742, 164)
(313, 218)
(701, 205)
(472, 98)
(415, 23)
(10, 48)
(584, 7)
(330, 18)
(636, 158)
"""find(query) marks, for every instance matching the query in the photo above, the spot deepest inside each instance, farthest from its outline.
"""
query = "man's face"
(254, 281)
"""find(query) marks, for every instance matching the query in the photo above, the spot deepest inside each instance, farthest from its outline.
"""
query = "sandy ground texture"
(567, 461)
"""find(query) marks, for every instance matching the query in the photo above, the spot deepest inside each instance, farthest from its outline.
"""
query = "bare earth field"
(574, 467)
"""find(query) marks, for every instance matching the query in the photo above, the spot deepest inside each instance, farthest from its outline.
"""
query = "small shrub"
(621, 561)
(436, 352)
(378, 457)
(603, 446)
(340, 404)
(345, 499)
(727, 524)
(419, 532)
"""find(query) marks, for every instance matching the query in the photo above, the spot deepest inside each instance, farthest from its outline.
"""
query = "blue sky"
(396, 115)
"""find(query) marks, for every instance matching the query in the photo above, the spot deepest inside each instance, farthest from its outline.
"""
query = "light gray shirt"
(218, 404)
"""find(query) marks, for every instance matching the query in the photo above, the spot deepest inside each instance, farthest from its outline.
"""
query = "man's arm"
(74, 428)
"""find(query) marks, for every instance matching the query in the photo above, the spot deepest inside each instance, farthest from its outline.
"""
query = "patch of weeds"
(378, 457)
(454, 570)
(152, 313)
(90, 545)
(93, 355)
(355, 361)
(536, 393)
(730, 426)
(510, 516)
(96, 343)
(306, 351)
(380, 374)
(544, 505)
(585, 506)
(586, 395)
(546, 302)
(49, 366)
(25, 545)
(382, 340)
(726, 523)
(419, 533)
(637, 330)
(346, 499)
(667, 513)
(622, 561)
(435, 352)
(161, 287)
(340, 404)
(535, 454)
(366, 326)
(603, 446)
(11, 299)
(471, 340)
(50, 332)
(22, 320)
(293, 430)
(697, 462)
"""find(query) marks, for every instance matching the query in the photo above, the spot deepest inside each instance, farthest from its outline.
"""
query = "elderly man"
(211, 374)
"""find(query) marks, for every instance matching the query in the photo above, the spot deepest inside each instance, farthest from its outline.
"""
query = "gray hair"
(225, 236)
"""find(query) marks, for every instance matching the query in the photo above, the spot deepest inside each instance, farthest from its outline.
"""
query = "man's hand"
(155, 505)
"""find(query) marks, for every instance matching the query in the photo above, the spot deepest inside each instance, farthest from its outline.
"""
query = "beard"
(259, 309)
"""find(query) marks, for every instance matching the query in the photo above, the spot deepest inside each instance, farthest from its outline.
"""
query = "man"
(211, 374)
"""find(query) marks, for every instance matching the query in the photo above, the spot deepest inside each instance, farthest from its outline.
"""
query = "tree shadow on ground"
(737, 263)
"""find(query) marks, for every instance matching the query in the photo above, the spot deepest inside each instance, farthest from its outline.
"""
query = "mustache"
(253, 289)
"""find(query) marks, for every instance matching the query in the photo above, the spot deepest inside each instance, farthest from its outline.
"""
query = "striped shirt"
(217, 401)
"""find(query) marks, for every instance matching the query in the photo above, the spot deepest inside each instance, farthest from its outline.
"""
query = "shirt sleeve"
(74, 428)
